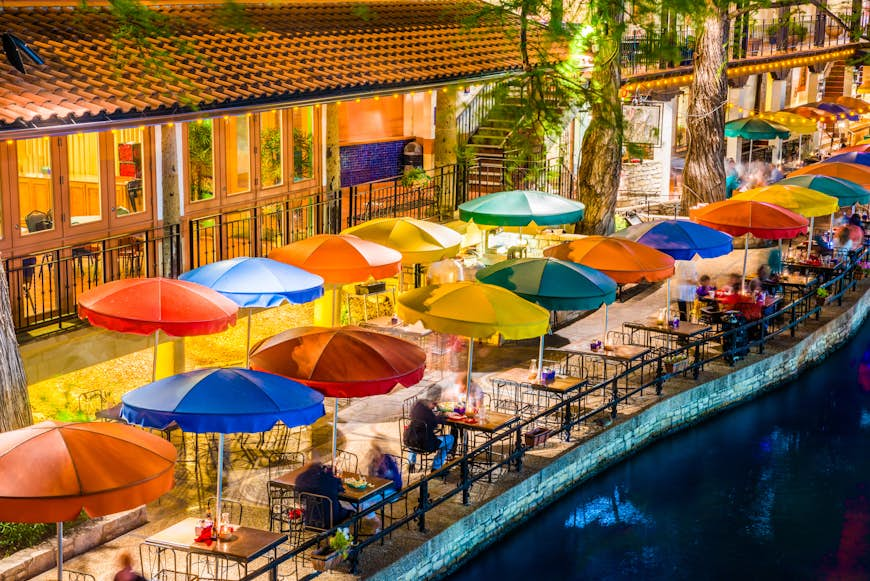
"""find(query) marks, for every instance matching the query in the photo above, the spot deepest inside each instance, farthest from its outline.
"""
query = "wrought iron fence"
(43, 286)
(505, 450)
(470, 118)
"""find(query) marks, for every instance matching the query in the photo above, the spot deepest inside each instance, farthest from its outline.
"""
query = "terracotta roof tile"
(297, 50)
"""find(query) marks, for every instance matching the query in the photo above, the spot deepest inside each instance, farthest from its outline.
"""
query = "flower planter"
(677, 366)
(536, 437)
(820, 301)
(326, 561)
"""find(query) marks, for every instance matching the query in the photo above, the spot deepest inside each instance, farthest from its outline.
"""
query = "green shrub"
(16, 536)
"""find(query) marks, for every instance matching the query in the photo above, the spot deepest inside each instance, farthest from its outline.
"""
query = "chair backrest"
(37, 221)
(134, 192)
(347, 461)
(414, 435)
(279, 462)
(317, 511)
(77, 576)
(232, 507)
(408, 405)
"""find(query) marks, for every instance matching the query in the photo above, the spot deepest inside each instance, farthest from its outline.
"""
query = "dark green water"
(776, 489)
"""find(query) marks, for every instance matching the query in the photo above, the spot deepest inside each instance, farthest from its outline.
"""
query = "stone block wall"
(487, 523)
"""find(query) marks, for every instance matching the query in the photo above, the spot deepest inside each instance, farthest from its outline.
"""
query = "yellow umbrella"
(804, 201)
(472, 234)
(420, 242)
(474, 310)
(797, 124)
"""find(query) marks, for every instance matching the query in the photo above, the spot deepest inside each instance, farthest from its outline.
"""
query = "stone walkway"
(376, 419)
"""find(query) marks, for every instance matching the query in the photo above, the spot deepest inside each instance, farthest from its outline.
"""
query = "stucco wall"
(484, 525)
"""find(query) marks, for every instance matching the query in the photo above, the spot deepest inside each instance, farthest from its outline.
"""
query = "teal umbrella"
(556, 285)
(521, 208)
(752, 128)
(848, 193)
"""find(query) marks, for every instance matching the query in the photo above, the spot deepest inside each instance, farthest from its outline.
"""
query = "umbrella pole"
(810, 237)
(220, 485)
(541, 359)
(745, 256)
(334, 431)
(248, 344)
(468, 373)
(604, 340)
(60, 551)
(668, 300)
(750, 151)
(154, 365)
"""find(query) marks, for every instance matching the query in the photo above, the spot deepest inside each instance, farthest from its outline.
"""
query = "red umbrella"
(150, 305)
(342, 362)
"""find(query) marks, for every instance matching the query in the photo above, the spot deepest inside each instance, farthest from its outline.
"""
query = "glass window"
(129, 145)
(83, 154)
(271, 148)
(35, 186)
(238, 154)
(303, 143)
(200, 159)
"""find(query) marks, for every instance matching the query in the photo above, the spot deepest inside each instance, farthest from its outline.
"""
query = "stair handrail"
(476, 110)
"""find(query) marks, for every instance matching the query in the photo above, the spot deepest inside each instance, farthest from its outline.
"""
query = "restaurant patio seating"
(76, 576)
(233, 507)
(423, 464)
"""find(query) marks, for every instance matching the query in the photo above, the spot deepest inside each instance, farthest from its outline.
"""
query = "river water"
(776, 489)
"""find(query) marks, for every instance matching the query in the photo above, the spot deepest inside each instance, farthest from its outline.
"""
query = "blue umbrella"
(257, 282)
(680, 239)
(858, 157)
(225, 401)
(835, 109)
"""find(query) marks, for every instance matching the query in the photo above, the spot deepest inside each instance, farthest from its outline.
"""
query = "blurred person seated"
(734, 285)
(318, 478)
(421, 435)
(472, 398)
(705, 288)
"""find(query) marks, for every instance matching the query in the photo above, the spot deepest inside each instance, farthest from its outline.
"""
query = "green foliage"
(303, 154)
(232, 16)
(270, 156)
(415, 177)
(341, 542)
(16, 536)
(822, 293)
(200, 159)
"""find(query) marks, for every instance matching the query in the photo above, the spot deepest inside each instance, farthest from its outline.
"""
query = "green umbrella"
(752, 128)
(521, 208)
(556, 285)
(848, 193)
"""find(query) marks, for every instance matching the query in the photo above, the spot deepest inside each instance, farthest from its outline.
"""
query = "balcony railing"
(646, 52)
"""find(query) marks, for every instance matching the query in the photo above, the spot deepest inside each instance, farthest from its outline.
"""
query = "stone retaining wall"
(29, 563)
(482, 527)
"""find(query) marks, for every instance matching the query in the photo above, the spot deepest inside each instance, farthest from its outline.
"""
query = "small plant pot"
(677, 366)
(820, 301)
(536, 437)
(326, 561)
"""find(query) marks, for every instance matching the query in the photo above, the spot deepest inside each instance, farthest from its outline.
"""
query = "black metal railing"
(475, 112)
(44, 286)
(649, 51)
(505, 450)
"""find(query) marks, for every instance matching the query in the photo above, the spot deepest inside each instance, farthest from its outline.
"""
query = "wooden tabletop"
(623, 353)
(387, 324)
(491, 422)
(685, 329)
(352, 495)
(561, 384)
(245, 545)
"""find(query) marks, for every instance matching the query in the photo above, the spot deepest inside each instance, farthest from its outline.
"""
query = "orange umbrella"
(739, 217)
(812, 113)
(858, 106)
(340, 258)
(54, 470)
(344, 362)
(625, 261)
(847, 171)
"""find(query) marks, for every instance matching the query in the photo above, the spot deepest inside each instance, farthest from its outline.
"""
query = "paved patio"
(376, 419)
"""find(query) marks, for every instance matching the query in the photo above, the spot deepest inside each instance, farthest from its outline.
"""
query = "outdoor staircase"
(834, 81)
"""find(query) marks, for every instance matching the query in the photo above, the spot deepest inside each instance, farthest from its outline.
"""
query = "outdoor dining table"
(488, 425)
(555, 390)
(685, 332)
(244, 546)
(624, 356)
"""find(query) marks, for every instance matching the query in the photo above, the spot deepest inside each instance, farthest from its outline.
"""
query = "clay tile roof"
(282, 52)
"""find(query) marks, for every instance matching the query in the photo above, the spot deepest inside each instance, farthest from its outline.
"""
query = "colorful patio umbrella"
(257, 282)
(556, 285)
(521, 208)
(753, 128)
(739, 217)
(800, 200)
(861, 148)
(474, 310)
(796, 124)
(841, 111)
(149, 305)
(625, 261)
(420, 242)
(340, 259)
(847, 193)
(855, 157)
(343, 362)
(679, 239)
(852, 172)
(52, 471)
(859, 106)
(812, 113)
(223, 401)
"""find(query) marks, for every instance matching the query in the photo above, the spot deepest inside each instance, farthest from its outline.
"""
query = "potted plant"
(797, 33)
(676, 363)
(772, 31)
(862, 269)
(415, 177)
(822, 295)
(334, 553)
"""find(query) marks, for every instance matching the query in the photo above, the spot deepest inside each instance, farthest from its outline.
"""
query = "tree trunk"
(601, 151)
(704, 173)
(171, 197)
(332, 222)
(14, 401)
(446, 146)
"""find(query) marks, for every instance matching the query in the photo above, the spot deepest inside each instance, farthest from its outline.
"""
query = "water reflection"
(776, 489)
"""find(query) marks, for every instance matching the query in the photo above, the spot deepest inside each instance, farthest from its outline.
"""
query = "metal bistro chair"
(232, 507)
(423, 463)
(28, 265)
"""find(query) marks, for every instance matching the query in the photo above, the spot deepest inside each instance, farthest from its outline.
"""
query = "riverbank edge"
(443, 553)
